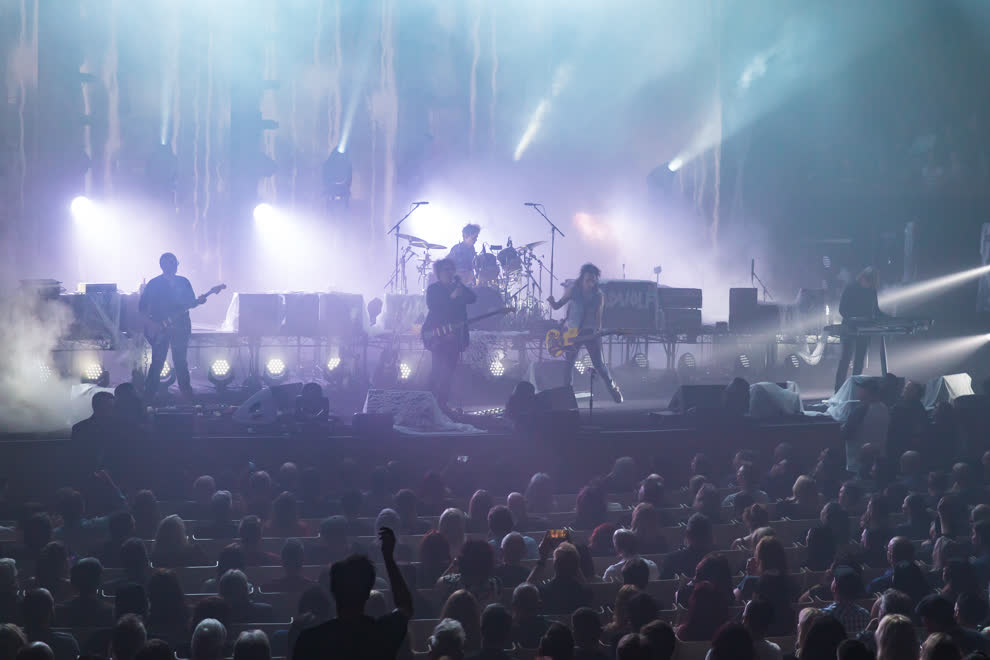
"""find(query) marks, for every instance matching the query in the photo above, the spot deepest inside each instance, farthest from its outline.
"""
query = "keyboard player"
(858, 304)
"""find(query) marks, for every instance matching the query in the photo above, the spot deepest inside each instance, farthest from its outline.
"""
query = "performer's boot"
(614, 390)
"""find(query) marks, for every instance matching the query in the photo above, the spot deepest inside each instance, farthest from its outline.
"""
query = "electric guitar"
(437, 335)
(153, 329)
(559, 342)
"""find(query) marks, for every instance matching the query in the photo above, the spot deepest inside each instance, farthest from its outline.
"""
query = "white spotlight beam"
(938, 354)
(928, 288)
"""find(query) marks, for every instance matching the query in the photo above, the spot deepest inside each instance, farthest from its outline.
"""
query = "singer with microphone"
(463, 253)
(447, 300)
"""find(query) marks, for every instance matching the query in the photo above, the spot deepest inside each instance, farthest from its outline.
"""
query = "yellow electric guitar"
(558, 342)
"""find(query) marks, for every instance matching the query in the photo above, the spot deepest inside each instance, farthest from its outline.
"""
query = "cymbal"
(416, 241)
(530, 246)
(434, 246)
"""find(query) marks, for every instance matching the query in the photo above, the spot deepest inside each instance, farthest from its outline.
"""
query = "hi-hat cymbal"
(415, 241)
(435, 246)
(530, 246)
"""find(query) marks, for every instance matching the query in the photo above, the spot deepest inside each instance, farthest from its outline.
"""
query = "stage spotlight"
(587, 362)
(742, 362)
(641, 361)
(337, 175)
(579, 365)
(167, 376)
(675, 164)
(220, 373)
(405, 371)
(264, 216)
(45, 374)
(686, 362)
(333, 363)
(83, 210)
(330, 367)
(496, 368)
(93, 373)
(793, 362)
(275, 371)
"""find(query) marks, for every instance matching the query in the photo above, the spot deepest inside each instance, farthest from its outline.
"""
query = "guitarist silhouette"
(447, 300)
(165, 303)
(585, 304)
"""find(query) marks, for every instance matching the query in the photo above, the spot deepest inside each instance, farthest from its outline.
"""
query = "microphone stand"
(554, 230)
(753, 276)
(395, 228)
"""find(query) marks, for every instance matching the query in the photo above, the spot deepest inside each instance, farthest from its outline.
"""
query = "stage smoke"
(32, 397)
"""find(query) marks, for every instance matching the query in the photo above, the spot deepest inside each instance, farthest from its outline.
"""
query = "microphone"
(530, 204)
(419, 203)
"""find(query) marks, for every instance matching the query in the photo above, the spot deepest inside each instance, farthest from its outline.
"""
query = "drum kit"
(503, 275)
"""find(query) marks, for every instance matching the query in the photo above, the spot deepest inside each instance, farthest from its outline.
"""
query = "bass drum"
(510, 260)
(486, 266)
(489, 300)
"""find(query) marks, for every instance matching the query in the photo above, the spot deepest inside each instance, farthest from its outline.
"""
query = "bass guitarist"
(447, 300)
(585, 303)
(166, 301)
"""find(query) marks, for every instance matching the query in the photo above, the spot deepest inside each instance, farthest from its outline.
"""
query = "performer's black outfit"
(442, 310)
(162, 299)
(858, 303)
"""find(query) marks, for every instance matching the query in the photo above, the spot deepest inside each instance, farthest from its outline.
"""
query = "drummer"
(463, 253)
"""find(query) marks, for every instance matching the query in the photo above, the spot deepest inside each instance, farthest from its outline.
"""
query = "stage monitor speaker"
(630, 304)
(342, 315)
(557, 398)
(372, 425)
(259, 314)
(302, 315)
(673, 297)
(700, 397)
(264, 406)
(547, 374)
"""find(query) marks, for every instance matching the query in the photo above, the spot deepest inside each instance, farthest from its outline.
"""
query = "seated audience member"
(829, 472)
(917, 521)
(707, 610)
(528, 624)
(12, 640)
(747, 480)
(218, 523)
(249, 534)
(168, 615)
(662, 639)
(35, 651)
(587, 629)
(128, 409)
(234, 589)
(698, 542)
(853, 649)
(647, 525)
(96, 431)
(707, 502)
(981, 547)
(87, 609)
(231, 558)
(636, 572)
(462, 607)
(51, 571)
(633, 647)
(521, 406)
(874, 542)
(695, 484)
(767, 577)
(626, 547)
(590, 507)
(623, 478)
(964, 485)
(566, 590)
(836, 518)
(38, 610)
(937, 615)
(620, 624)
(405, 503)
(847, 586)
(135, 564)
(128, 637)
(35, 531)
(476, 574)
(941, 647)
(212, 607)
(804, 502)
(866, 425)
(851, 496)
(971, 613)
(447, 641)
(131, 599)
(959, 577)
(121, 527)
(732, 641)
(713, 568)
(557, 643)
(332, 544)
(144, 508)
(209, 641)
(452, 525)
(478, 507)
(754, 517)
(252, 645)
(877, 514)
(352, 634)
(293, 580)
(912, 473)
(701, 466)
(10, 599)
(642, 609)
(824, 636)
(900, 549)
(434, 557)
(496, 634)
(520, 513)
(202, 491)
(821, 548)
(651, 491)
(172, 547)
(600, 541)
(257, 495)
(433, 494)
(285, 518)
(500, 524)
(757, 617)
(312, 503)
(511, 572)
(806, 617)
(352, 507)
